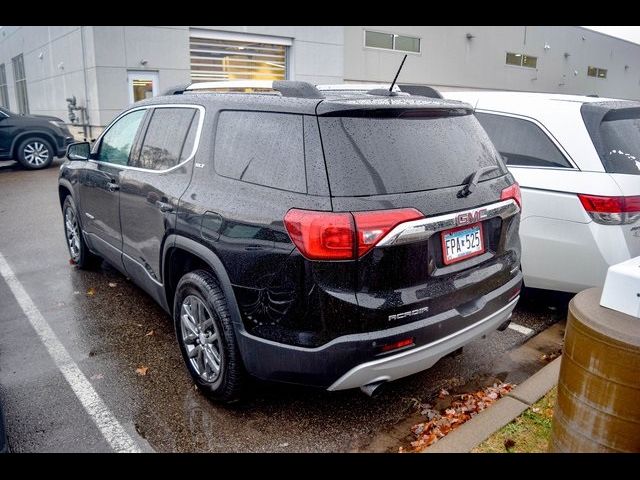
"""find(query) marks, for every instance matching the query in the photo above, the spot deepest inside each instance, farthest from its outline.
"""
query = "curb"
(469, 435)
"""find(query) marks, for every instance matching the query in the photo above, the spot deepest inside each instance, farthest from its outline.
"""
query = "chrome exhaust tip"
(373, 389)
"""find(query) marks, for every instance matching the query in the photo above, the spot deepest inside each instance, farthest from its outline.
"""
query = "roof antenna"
(388, 93)
(397, 73)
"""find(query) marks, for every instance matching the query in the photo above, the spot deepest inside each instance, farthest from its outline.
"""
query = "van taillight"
(342, 235)
(611, 210)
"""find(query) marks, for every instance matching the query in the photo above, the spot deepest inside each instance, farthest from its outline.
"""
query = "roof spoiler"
(421, 90)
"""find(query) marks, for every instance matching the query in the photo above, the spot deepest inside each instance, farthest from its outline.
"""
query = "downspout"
(85, 120)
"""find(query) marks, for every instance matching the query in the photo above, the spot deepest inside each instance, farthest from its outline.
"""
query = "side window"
(262, 148)
(116, 144)
(166, 138)
(522, 142)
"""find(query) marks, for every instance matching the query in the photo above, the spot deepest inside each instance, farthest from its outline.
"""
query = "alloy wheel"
(201, 339)
(36, 153)
(73, 233)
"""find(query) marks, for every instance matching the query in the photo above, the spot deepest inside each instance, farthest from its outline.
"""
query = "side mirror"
(79, 151)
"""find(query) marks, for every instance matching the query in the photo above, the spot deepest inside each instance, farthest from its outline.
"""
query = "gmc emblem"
(469, 218)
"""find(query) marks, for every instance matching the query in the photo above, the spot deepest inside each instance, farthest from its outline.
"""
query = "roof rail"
(176, 89)
(286, 88)
(354, 87)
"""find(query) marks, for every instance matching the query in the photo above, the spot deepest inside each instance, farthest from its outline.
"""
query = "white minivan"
(577, 160)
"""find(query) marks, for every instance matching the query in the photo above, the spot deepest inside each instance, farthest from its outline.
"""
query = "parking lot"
(97, 327)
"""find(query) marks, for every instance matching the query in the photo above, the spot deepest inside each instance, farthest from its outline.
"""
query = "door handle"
(113, 187)
(164, 207)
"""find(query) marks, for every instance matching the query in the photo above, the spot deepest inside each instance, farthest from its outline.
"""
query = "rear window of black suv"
(403, 151)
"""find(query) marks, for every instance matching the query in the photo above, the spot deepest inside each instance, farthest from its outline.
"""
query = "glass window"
(620, 137)
(514, 58)
(378, 40)
(597, 72)
(529, 61)
(407, 44)
(391, 41)
(521, 60)
(165, 138)
(4, 94)
(522, 142)
(262, 148)
(220, 59)
(377, 155)
(22, 99)
(117, 142)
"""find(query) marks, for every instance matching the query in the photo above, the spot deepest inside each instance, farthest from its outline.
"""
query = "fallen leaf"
(91, 292)
(509, 443)
(142, 371)
(149, 333)
(535, 409)
(71, 261)
(113, 284)
(445, 415)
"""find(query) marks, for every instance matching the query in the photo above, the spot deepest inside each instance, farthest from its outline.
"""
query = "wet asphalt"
(110, 328)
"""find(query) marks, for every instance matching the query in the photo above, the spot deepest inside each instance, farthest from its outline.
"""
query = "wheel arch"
(174, 244)
(34, 134)
(64, 189)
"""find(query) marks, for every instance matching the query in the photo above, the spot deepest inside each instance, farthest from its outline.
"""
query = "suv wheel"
(206, 336)
(78, 250)
(35, 153)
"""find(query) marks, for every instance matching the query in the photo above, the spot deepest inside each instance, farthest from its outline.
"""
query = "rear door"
(156, 176)
(99, 189)
(466, 246)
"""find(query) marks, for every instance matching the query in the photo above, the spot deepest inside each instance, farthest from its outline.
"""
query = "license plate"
(461, 243)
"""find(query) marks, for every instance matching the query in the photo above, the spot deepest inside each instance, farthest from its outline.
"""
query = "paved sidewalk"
(479, 428)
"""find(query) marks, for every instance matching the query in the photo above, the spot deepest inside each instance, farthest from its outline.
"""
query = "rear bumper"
(572, 256)
(355, 360)
(418, 359)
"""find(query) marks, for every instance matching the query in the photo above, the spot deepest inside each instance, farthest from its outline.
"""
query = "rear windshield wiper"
(472, 183)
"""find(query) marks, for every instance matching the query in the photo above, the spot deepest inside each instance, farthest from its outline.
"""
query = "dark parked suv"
(32, 140)
(337, 240)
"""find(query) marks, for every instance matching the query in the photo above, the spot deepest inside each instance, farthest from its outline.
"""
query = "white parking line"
(106, 422)
(520, 328)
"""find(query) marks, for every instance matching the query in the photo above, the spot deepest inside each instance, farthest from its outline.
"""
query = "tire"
(79, 253)
(35, 153)
(200, 303)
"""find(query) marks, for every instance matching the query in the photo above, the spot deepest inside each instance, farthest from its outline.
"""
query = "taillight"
(371, 227)
(342, 235)
(611, 210)
(512, 191)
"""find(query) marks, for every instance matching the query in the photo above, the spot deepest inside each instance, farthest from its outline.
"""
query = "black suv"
(32, 140)
(338, 240)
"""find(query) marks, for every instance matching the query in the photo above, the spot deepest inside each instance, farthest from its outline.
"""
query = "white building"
(106, 68)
